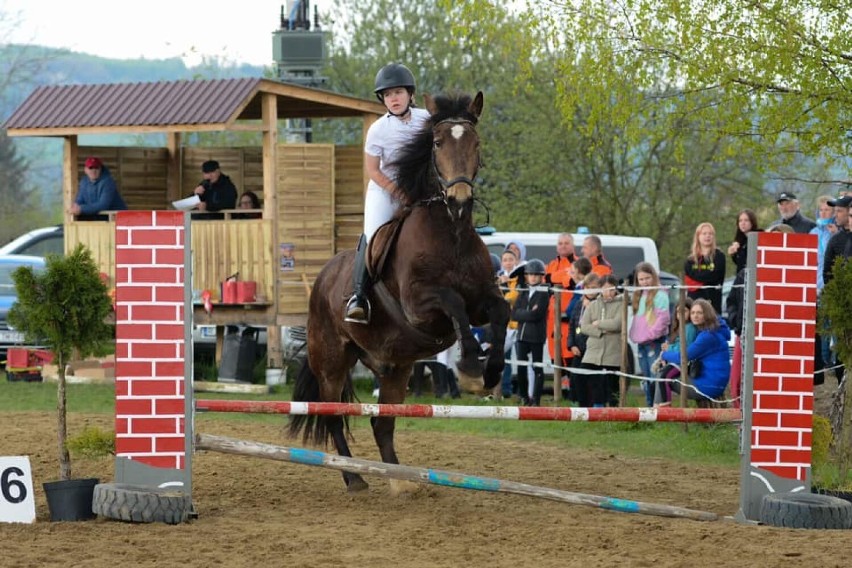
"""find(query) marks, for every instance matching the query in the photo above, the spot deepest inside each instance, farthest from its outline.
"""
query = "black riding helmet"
(534, 266)
(394, 75)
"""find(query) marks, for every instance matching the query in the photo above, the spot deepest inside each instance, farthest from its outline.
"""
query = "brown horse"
(434, 280)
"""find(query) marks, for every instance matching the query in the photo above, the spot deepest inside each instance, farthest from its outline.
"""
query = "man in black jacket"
(788, 206)
(840, 243)
(216, 191)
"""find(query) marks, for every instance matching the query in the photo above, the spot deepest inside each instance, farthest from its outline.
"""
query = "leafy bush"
(92, 442)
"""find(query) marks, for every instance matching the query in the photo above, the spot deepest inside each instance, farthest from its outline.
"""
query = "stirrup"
(357, 310)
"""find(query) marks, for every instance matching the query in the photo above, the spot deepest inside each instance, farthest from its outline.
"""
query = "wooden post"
(622, 380)
(173, 167)
(558, 363)
(269, 113)
(69, 181)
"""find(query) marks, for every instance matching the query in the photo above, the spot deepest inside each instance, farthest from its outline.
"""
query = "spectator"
(592, 251)
(580, 268)
(705, 267)
(530, 312)
(558, 274)
(650, 322)
(519, 249)
(601, 322)
(840, 244)
(663, 389)
(508, 284)
(579, 391)
(788, 206)
(248, 200)
(216, 191)
(746, 223)
(825, 228)
(710, 350)
(97, 191)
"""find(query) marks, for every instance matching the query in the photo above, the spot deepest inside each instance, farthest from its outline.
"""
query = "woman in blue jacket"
(710, 349)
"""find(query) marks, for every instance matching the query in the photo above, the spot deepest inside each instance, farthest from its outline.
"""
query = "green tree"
(63, 307)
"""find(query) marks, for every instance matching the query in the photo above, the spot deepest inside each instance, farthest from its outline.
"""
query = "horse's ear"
(430, 104)
(475, 107)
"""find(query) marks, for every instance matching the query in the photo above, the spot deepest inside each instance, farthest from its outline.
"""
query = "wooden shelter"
(312, 204)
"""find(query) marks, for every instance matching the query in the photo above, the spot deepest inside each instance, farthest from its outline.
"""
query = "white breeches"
(379, 208)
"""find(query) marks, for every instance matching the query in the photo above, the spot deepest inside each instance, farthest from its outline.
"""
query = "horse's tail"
(315, 428)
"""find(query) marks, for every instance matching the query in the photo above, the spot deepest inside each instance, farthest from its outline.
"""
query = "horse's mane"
(415, 177)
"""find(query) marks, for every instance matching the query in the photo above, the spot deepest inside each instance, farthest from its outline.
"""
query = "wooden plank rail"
(438, 477)
(566, 414)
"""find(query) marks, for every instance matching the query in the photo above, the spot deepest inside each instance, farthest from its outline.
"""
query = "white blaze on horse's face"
(456, 154)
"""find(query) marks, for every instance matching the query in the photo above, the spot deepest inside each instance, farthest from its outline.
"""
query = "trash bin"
(239, 351)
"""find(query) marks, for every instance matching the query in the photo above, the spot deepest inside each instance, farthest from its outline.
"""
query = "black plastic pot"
(70, 500)
(847, 495)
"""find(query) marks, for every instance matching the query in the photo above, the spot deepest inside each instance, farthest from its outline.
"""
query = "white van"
(624, 253)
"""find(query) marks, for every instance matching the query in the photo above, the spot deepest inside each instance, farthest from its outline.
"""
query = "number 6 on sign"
(17, 504)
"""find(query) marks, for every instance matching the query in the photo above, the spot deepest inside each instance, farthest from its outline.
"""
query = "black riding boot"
(358, 307)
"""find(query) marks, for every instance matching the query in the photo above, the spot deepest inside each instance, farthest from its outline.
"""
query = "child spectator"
(530, 312)
(578, 271)
(650, 322)
(508, 285)
(576, 339)
(601, 322)
(663, 391)
(746, 223)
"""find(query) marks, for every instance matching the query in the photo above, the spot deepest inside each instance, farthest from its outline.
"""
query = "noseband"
(445, 183)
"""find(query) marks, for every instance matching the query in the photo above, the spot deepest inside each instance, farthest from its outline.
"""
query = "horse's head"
(455, 146)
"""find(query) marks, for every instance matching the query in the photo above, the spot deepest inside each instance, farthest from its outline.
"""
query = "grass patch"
(707, 444)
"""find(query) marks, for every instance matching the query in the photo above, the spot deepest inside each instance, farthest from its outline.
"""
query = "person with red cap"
(97, 191)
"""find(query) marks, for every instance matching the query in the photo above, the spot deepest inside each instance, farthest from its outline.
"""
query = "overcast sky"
(240, 32)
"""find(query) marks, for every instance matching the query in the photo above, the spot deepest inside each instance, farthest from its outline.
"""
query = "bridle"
(445, 183)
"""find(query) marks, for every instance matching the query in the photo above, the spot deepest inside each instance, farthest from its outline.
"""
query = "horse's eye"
(436, 143)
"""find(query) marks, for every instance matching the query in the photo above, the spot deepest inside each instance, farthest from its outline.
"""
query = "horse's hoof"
(400, 488)
(357, 485)
(470, 384)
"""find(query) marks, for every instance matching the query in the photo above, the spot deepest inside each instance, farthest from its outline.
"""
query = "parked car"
(38, 242)
(9, 337)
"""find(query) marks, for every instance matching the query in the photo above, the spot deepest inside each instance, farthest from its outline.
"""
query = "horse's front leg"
(497, 310)
(394, 384)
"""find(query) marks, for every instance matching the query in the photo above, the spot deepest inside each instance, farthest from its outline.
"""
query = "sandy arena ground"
(261, 513)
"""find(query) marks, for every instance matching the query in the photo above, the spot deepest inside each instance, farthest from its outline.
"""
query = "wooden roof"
(173, 106)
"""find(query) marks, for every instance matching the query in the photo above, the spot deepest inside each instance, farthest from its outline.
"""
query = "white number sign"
(17, 503)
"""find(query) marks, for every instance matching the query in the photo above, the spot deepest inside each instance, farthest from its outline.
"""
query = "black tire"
(141, 504)
(805, 511)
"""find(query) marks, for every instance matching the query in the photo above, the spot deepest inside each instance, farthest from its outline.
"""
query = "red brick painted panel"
(125, 445)
(169, 293)
(169, 369)
(764, 383)
(797, 420)
(169, 218)
(767, 274)
(165, 462)
(770, 240)
(153, 350)
(808, 402)
(169, 256)
(134, 218)
(155, 237)
(768, 311)
(153, 387)
(121, 426)
(777, 365)
(788, 438)
(801, 276)
(764, 456)
(134, 293)
(174, 406)
(134, 407)
(766, 419)
(169, 444)
(154, 275)
(801, 349)
(806, 312)
(154, 313)
(169, 331)
(121, 348)
(127, 331)
(767, 346)
(811, 295)
(181, 461)
(770, 293)
(795, 456)
(797, 384)
(122, 386)
(801, 240)
(122, 312)
(781, 329)
(786, 471)
(122, 275)
(121, 236)
(782, 258)
(143, 369)
(125, 256)
(780, 402)
(154, 426)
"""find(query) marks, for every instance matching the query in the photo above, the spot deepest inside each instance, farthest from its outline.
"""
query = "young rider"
(395, 89)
